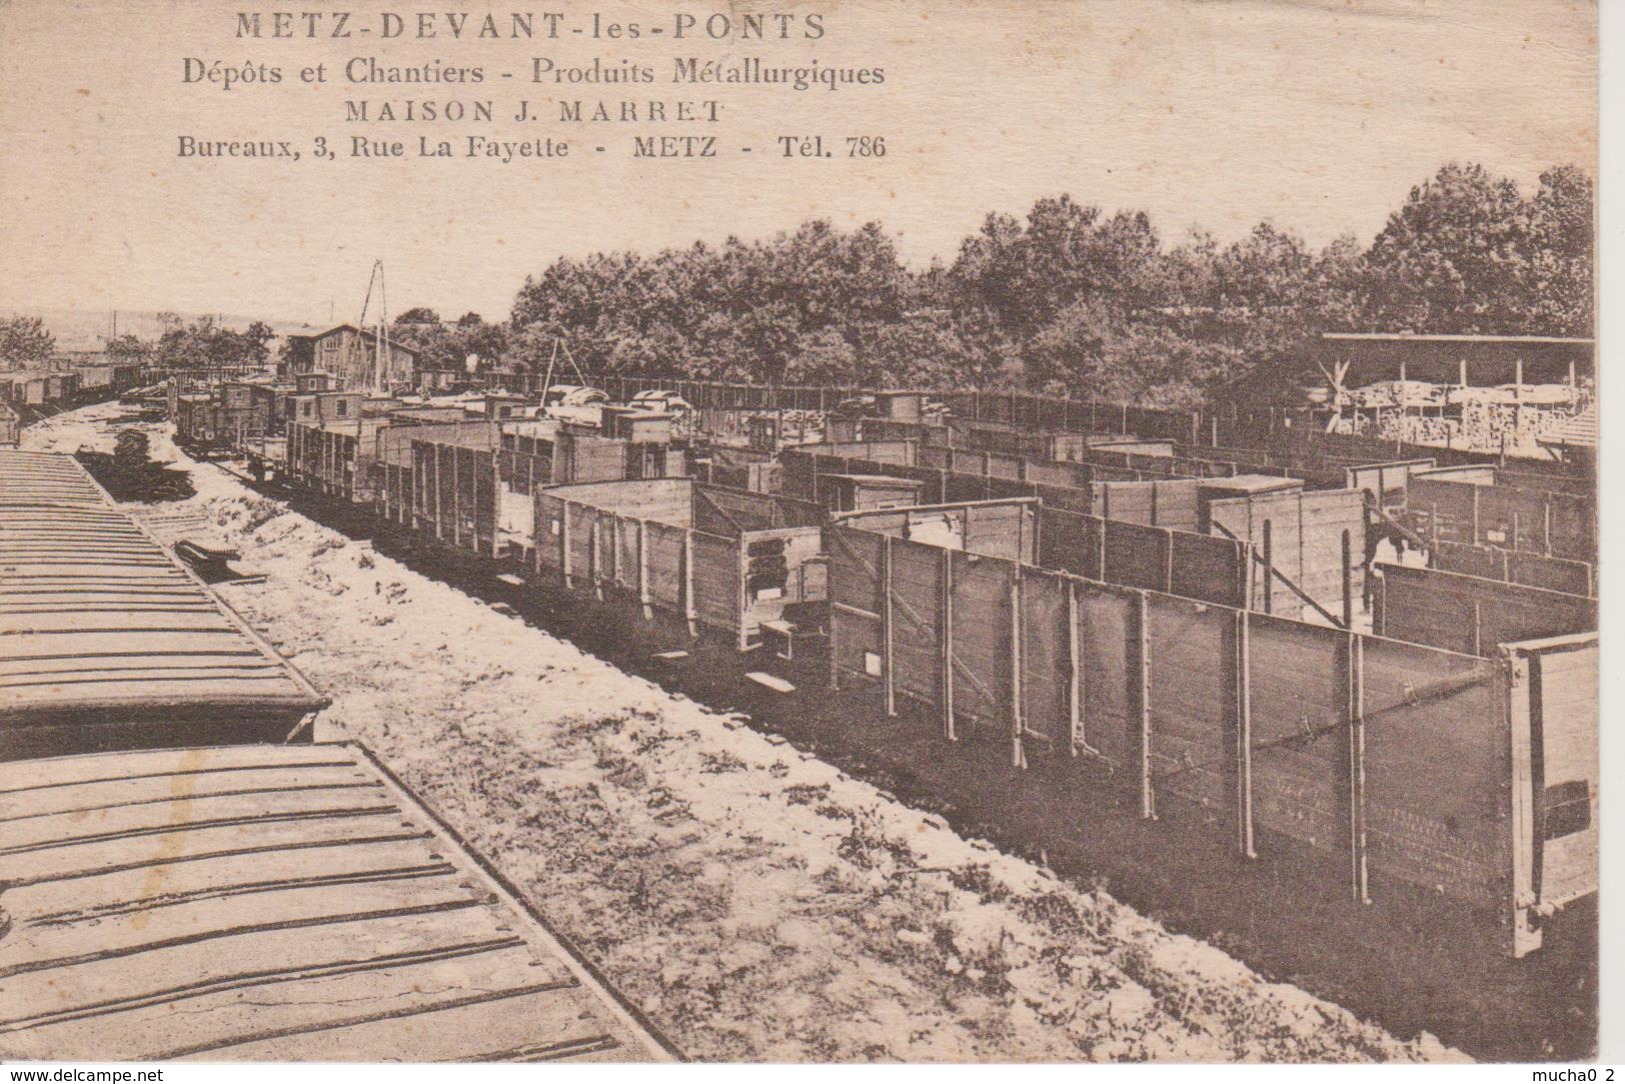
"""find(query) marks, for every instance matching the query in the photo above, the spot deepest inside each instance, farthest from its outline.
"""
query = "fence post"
(1355, 664)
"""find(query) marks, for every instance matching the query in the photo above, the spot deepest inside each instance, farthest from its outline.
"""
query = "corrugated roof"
(272, 903)
(99, 623)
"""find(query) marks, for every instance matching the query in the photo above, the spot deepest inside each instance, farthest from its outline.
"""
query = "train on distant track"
(1208, 617)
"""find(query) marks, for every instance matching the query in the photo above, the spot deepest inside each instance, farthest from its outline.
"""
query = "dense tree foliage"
(202, 344)
(25, 343)
(1069, 299)
(442, 345)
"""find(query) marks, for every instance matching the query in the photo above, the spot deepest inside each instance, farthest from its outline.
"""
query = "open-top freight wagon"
(724, 559)
(1470, 776)
(1119, 617)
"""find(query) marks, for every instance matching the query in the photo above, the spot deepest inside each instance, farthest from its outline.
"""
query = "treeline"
(1068, 299)
(201, 344)
(25, 342)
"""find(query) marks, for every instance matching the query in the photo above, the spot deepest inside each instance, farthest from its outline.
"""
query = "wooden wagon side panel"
(1563, 678)
(1435, 772)
(718, 591)
(981, 632)
(1470, 614)
(916, 614)
(1299, 690)
(664, 551)
(1110, 675)
(1046, 663)
(856, 633)
(1068, 542)
(1192, 681)
(1551, 573)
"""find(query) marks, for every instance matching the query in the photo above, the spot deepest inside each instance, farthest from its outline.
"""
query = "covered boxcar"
(273, 903)
(113, 644)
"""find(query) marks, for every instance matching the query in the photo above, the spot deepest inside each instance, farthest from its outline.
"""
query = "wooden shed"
(273, 903)
(725, 559)
(113, 644)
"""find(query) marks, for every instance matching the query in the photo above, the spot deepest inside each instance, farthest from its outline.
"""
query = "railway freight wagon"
(454, 487)
(1515, 566)
(1471, 613)
(392, 469)
(343, 458)
(110, 642)
(535, 454)
(810, 470)
(1470, 505)
(1310, 546)
(273, 903)
(725, 559)
(739, 468)
(1468, 777)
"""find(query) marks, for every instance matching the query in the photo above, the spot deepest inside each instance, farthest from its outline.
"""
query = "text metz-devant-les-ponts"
(527, 25)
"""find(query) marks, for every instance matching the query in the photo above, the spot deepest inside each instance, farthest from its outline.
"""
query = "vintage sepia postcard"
(798, 531)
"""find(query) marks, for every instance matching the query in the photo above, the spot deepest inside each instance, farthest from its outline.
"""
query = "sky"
(1319, 116)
